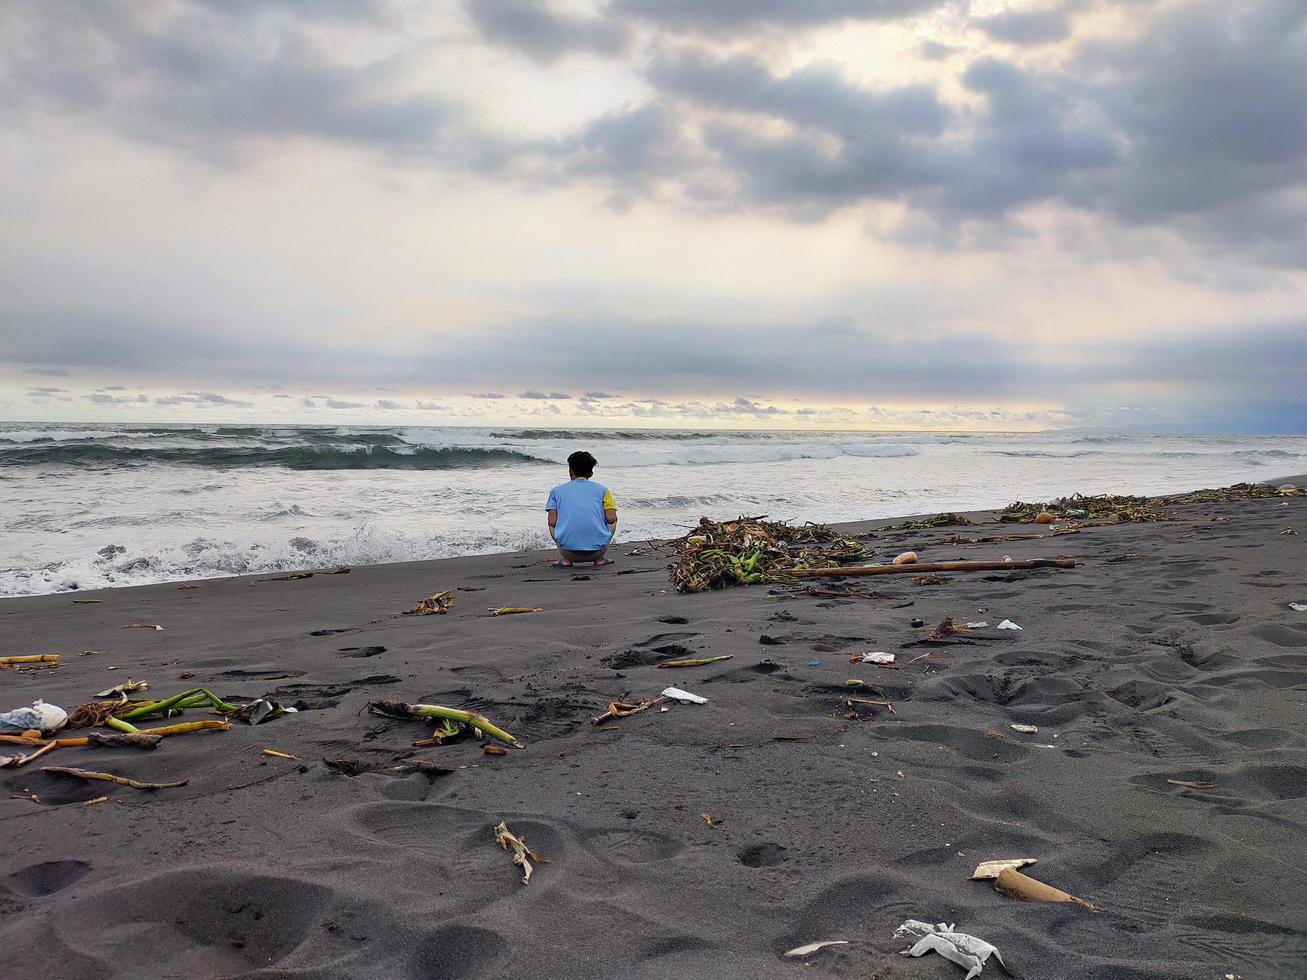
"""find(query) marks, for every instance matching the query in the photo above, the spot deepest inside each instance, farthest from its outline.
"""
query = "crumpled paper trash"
(40, 717)
(966, 951)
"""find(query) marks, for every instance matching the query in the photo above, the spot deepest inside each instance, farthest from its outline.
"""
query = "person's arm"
(610, 514)
(551, 512)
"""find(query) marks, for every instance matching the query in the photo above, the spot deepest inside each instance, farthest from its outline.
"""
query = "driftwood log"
(937, 566)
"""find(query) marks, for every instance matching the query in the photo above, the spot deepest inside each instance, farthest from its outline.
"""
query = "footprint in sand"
(48, 877)
(360, 652)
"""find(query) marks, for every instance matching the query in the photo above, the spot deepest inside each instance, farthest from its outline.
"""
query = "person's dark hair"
(582, 463)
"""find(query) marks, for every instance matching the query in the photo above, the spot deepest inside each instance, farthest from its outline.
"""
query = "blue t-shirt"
(580, 505)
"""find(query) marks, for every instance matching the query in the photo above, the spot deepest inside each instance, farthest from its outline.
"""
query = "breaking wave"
(290, 457)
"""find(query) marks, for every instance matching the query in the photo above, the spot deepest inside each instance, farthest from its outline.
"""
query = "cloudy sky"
(866, 213)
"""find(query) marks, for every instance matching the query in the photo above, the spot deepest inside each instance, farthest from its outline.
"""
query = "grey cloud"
(338, 403)
(597, 395)
(1183, 126)
(389, 405)
(1028, 27)
(934, 51)
(491, 395)
(545, 33)
(112, 388)
(46, 392)
(308, 403)
(819, 95)
(281, 396)
(199, 79)
(734, 15)
(542, 396)
(102, 399)
(200, 398)
(47, 372)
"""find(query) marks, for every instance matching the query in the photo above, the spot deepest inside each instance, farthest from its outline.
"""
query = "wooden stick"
(109, 777)
(37, 658)
(938, 566)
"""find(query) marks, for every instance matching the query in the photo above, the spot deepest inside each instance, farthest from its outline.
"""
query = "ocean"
(94, 506)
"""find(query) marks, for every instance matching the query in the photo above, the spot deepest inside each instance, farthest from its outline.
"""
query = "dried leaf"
(706, 818)
(700, 662)
(436, 604)
(811, 948)
(494, 750)
(125, 688)
(522, 855)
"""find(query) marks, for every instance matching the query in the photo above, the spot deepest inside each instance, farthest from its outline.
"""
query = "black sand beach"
(829, 821)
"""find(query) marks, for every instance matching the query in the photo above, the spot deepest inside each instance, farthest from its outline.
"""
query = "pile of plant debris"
(939, 520)
(753, 550)
(1125, 509)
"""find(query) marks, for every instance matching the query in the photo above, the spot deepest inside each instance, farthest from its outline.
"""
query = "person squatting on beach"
(582, 517)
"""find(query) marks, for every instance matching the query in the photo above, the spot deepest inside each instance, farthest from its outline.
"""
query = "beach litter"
(676, 694)
(31, 658)
(699, 662)
(939, 520)
(752, 551)
(978, 626)
(121, 691)
(1025, 729)
(141, 626)
(907, 558)
(522, 855)
(1298, 606)
(990, 870)
(624, 709)
(494, 750)
(966, 951)
(801, 951)
(878, 658)
(120, 714)
(292, 577)
(513, 610)
(1007, 624)
(927, 580)
(1014, 884)
(278, 755)
(1191, 784)
(87, 602)
(1005, 565)
(450, 721)
(433, 605)
(944, 629)
(109, 777)
(39, 717)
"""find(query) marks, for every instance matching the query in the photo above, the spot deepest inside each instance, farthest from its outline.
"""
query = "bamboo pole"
(937, 566)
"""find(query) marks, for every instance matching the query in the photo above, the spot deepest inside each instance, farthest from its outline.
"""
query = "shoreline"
(1168, 653)
(850, 527)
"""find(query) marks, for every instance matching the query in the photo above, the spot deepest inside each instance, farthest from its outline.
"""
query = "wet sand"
(829, 820)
